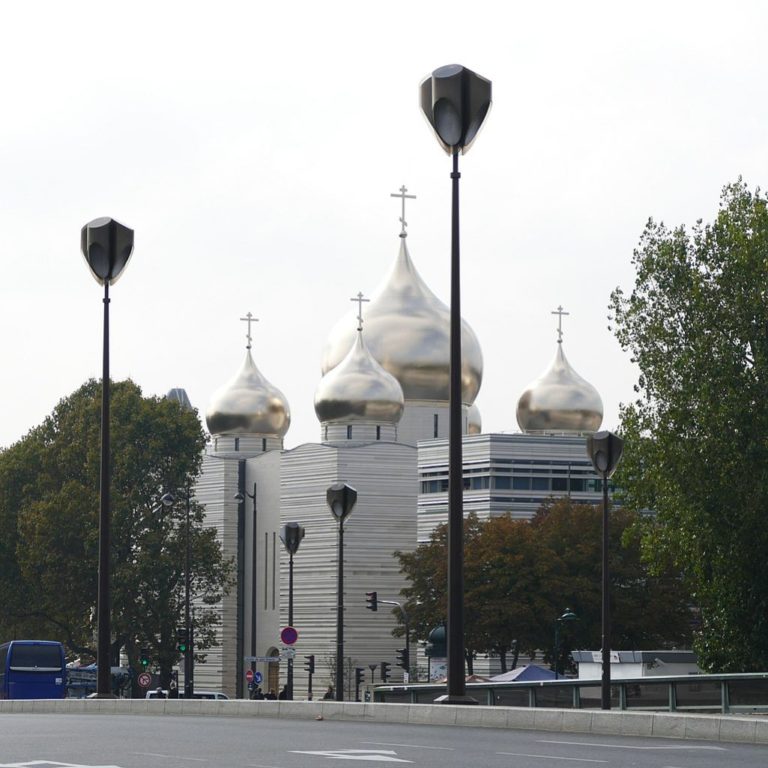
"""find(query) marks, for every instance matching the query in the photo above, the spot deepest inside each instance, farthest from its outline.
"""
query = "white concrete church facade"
(382, 405)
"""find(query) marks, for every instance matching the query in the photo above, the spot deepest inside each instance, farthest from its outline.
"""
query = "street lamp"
(240, 498)
(107, 246)
(291, 535)
(568, 615)
(604, 449)
(341, 499)
(168, 499)
(455, 101)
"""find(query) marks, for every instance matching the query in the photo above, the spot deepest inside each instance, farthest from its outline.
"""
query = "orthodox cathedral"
(382, 407)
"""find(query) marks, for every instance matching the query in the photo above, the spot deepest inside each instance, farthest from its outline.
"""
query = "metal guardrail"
(686, 693)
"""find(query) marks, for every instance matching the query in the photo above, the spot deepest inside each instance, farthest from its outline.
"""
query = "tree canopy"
(520, 576)
(696, 450)
(49, 509)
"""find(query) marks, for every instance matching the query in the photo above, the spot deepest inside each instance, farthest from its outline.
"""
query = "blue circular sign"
(289, 636)
(257, 677)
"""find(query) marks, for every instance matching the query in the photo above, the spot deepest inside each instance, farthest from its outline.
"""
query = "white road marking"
(51, 764)
(412, 746)
(553, 757)
(378, 755)
(630, 746)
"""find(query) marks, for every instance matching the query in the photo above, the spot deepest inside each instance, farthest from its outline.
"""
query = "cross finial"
(560, 312)
(359, 299)
(249, 318)
(401, 194)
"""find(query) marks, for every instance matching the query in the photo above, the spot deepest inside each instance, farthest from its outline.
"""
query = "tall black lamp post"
(455, 101)
(240, 499)
(291, 535)
(107, 246)
(341, 499)
(604, 449)
(568, 615)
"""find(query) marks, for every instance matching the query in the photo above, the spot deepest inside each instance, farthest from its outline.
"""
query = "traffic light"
(182, 639)
(372, 601)
(144, 657)
(402, 658)
(309, 664)
(385, 665)
(359, 676)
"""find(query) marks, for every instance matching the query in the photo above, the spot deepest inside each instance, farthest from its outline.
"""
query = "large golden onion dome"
(560, 401)
(407, 331)
(248, 405)
(358, 389)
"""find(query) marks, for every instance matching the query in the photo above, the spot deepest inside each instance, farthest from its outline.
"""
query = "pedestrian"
(329, 694)
(272, 696)
(257, 694)
(283, 695)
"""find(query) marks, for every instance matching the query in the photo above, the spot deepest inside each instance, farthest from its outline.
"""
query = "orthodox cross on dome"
(359, 299)
(401, 194)
(249, 318)
(559, 311)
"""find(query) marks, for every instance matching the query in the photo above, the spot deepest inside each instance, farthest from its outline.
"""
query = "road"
(142, 741)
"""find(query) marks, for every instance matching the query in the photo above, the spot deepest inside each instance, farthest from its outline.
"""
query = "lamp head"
(455, 101)
(291, 535)
(167, 499)
(106, 245)
(605, 449)
(341, 499)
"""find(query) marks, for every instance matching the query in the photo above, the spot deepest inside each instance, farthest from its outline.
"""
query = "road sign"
(249, 675)
(144, 680)
(258, 677)
(289, 636)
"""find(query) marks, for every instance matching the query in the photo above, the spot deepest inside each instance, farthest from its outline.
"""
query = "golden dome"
(248, 405)
(359, 389)
(407, 331)
(560, 401)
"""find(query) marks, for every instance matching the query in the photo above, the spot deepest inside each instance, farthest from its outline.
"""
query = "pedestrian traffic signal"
(385, 665)
(359, 676)
(402, 658)
(309, 664)
(144, 657)
(372, 601)
(182, 639)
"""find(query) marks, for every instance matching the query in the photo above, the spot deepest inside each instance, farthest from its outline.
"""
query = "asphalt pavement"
(181, 741)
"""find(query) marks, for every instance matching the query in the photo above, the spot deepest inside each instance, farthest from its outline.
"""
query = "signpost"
(289, 636)
(249, 676)
(144, 680)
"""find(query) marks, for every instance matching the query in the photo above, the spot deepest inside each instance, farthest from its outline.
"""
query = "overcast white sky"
(253, 148)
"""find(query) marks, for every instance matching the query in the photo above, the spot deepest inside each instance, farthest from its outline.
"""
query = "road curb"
(743, 729)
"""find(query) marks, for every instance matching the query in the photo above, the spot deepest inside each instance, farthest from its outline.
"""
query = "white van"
(196, 695)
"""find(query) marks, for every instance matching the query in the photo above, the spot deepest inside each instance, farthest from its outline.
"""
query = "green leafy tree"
(520, 576)
(49, 508)
(696, 452)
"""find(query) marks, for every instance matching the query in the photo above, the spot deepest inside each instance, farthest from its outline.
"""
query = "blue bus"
(32, 669)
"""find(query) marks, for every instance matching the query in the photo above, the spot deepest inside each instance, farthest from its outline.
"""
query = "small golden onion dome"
(248, 405)
(407, 330)
(474, 421)
(560, 401)
(359, 389)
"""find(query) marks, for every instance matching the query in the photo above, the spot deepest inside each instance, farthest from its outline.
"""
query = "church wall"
(216, 488)
(383, 520)
(264, 472)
